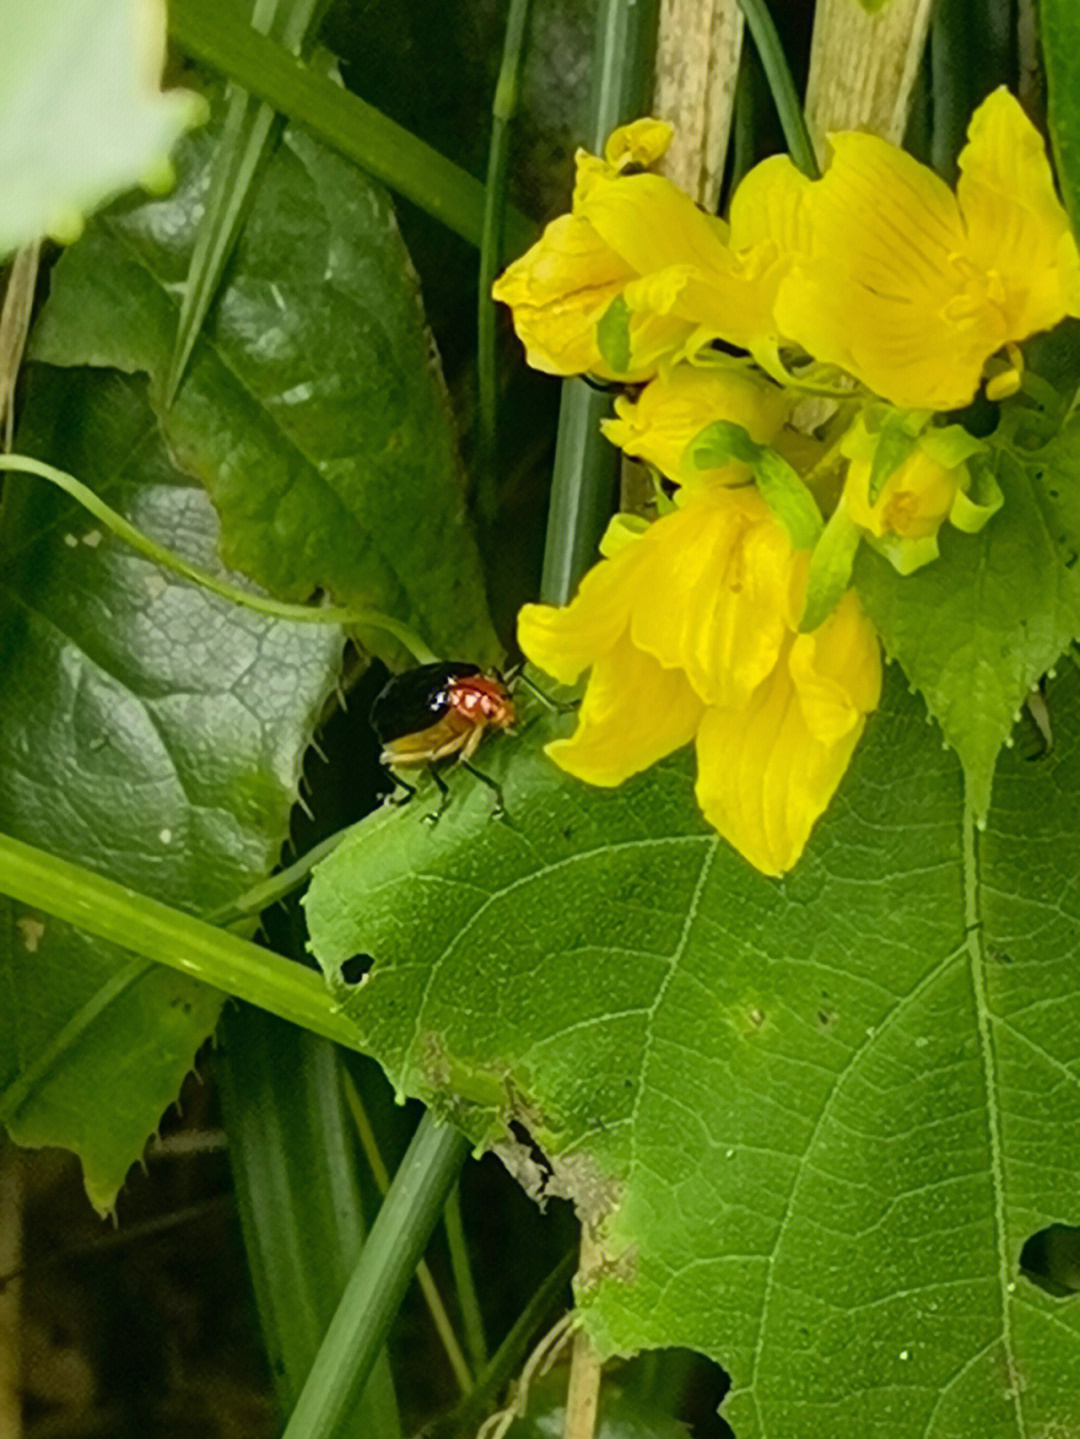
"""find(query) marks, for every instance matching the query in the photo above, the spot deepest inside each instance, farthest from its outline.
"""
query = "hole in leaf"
(692, 1388)
(1050, 1258)
(354, 969)
(537, 1158)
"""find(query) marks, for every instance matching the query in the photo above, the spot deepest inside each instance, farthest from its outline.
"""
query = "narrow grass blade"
(398, 1237)
(586, 466)
(491, 258)
(760, 24)
(249, 125)
(223, 39)
(293, 1161)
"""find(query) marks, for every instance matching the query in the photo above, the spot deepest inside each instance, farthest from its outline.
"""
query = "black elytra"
(416, 699)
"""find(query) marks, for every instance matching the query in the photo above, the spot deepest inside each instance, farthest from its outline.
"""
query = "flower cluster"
(785, 376)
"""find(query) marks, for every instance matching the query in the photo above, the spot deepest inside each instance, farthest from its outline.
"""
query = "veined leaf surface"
(811, 1120)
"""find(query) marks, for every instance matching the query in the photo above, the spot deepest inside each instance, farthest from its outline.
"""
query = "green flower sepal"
(907, 476)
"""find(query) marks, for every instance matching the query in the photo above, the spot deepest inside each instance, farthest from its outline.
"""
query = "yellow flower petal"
(769, 208)
(886, 291)
(641, 143)
(690, 629)
(730, 300)
(558, 290)
(836, 671)
(914, 501)
(650, 223)
(911, 288)
(564, 640)
(1017, 228)
(675, 407)
(766, 773)
(712, 589)
(633, 714)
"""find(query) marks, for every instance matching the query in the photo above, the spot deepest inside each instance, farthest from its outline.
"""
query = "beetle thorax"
(482, 701)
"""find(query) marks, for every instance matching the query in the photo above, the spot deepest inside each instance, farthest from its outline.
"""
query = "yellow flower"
(730, 295)
(622, 226)
(683, 277)
(690, 632)
(558, 292)
(931, 484)
(910, 287)
(673, 409)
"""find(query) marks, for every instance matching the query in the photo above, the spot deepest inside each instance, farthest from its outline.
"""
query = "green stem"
(398, 1237)
(503, 109)
(268, 891)
(298, 1198)
(169, 936)
(583, 484)
(585, 473)
(507, 1359)
(222, 37)
(760, 24)
(432, 1298)
(472, 1318)
(261, 604)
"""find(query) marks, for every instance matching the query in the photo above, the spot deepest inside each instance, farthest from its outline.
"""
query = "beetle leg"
(444, 798)
(499, 811)
(393, 797)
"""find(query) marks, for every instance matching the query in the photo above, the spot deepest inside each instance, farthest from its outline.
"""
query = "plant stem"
(268, 891)
(468, 1300)
(222, 37)
(296, 1189)
(583, 1393)
(760, 24)
(170, 936)
(424, 1277)
(586, 466)
(249, 599)
(508, 1357)
(401, 1230)
(503, 108)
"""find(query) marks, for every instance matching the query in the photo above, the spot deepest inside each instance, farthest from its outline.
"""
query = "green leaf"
(312, 410)
(781, 487)
(82, 116)
(975, 629)
(221, 36)
(797, 1113)
(895, 443)
(1059, 32)
(246, 137)
(149, 731)
(613, 335)
(830, 568)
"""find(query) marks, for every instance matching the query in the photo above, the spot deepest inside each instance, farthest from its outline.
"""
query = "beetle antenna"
(561, 706)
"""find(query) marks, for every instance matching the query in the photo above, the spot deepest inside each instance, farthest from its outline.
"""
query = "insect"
(437, 712)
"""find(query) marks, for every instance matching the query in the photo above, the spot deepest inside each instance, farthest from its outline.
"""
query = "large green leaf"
(812, 1120)
(82, 116)
(978, 627)
(149, 731)
(312, 410)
